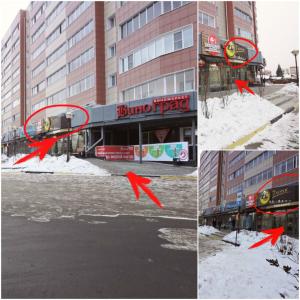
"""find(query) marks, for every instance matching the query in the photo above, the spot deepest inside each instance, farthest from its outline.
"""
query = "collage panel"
(248, 225)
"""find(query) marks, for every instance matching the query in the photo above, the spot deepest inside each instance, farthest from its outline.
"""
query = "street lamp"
(69, 117)
(295, 53)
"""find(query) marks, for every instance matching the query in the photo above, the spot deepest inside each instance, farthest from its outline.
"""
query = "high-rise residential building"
(133, 65)
(242, 178)
(218, 22)
(13, 75)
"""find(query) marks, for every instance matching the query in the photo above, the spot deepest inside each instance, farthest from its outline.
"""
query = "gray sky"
(278, 32)
(278, 28)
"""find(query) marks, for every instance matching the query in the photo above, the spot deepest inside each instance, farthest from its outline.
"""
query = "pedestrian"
(232, 223)
(214, 222)
(219, 224)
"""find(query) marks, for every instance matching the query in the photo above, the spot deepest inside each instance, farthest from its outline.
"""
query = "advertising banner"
(163, 152)
(115, 152)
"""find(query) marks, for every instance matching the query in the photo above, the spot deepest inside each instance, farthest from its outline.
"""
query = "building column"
(140, 142)
(103, 135)
(194, 152)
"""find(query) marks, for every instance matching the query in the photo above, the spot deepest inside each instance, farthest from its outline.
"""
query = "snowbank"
(4, 157)
(242, 273)
(193, 174)
(290, 88)
(54, 164)
(207, 230)
(241, 115)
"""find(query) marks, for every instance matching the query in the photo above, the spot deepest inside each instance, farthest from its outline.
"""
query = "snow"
(53, 164)
(241, 115)
(242, 273)
(179, 238)
(290, 88)
(283, 134)
(207, 230)
(193, 174)
(4, 157)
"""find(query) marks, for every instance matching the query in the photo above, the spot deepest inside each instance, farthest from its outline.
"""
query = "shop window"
(187, 135)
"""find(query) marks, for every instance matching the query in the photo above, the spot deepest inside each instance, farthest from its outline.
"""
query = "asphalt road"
(87, 237)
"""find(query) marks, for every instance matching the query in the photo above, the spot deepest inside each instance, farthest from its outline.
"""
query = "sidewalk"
(146, 168)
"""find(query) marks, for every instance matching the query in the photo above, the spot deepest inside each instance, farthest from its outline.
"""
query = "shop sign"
(250, 201)
(231, 205)
(161, 134)
(163, 152)
(239, 198)
(237, 52)
(179, 103)
(211, 46)
(281, 195)
(115, 152)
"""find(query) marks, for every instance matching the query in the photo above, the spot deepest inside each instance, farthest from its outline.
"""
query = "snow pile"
(281, 135)
(265, 272)
(193, 174)
(54, 164)
(207, 230)
(241, 115)
(290, 88)
(4, 157)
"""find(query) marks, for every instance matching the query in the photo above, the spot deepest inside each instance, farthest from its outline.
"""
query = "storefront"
(215, 74)
(157, 126)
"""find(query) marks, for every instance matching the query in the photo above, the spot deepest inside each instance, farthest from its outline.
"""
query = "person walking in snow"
(233, 223)
(214, 222)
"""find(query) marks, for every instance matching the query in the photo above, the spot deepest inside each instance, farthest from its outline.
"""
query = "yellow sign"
(231, 49)
(265, 197)
(47, 124)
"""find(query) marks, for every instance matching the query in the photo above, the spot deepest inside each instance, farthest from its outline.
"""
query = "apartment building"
(133, 64)
(219, 21)
(243, 178)
(13, 75)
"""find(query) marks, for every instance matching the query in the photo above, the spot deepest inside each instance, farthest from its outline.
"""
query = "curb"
(247, 137)
(170, 177)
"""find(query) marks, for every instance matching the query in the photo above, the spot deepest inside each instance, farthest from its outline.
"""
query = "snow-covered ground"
(241, 115)
(51, 164)
(265, 272)
(207, 230)
(284, 134)
(290, 88)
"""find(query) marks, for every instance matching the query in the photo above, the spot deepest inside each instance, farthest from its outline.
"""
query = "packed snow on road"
(265, 272)
(51, 164)
(233, 118)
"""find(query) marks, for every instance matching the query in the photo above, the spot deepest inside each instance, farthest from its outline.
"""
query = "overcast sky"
(278, 28)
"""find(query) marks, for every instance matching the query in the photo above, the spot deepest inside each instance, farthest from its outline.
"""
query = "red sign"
(115, 152)
(161, 134)
(212, 46)
(180, 103)
(250, 201)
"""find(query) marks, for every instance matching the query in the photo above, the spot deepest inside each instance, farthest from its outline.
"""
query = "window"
(82, 33)
(57, 32)
(176, 4)
(59, 97)
(243, 33)
(55, 12)
(178, 40)
(38, 32)
(180, 82)
(157, 9)
(38, 51)
(168, 43)
(81, 59)
(82, 7)
(56, 54)
(150, 13)
(143, 18)
(112, 51)
(82, 85)
(206, 19)
(136, 23)
(39, 13)
(39, 105)
(111, 22)
(164, 85)
(56, 75)
(167, 6)
(38, 69)
(286, 166)
(239, 13)
(38, 88)
(112, 80)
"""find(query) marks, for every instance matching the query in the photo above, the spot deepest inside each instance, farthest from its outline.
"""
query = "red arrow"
(137, 181)
(43, 148)
(243, 84)
(274, 234)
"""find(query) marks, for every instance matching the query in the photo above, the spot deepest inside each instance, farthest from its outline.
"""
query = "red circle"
(58, 105)
(247, 61)
(260, 189)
